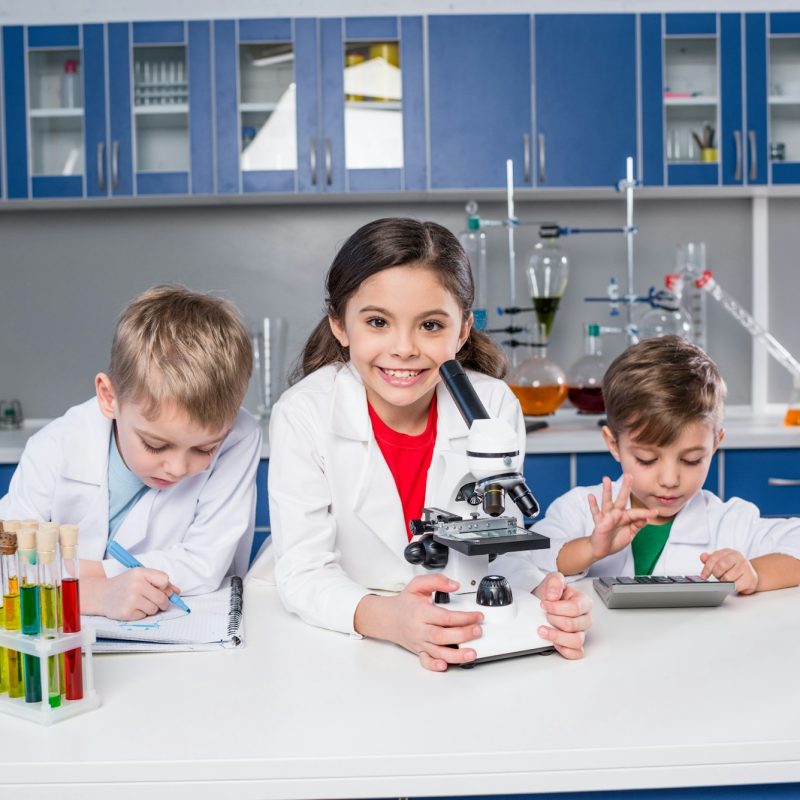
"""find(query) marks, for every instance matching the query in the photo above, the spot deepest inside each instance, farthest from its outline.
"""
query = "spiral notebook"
(215, 622)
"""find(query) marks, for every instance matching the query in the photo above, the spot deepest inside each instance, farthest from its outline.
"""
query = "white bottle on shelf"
(70, 89)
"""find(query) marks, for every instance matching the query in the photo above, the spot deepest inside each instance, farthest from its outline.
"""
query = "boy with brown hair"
(163, 460)
(664, 403)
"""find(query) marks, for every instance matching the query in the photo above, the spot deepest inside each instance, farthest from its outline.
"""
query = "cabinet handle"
(753, 157)
(115, 164)
(737, 137)
(541, 158)
(526, 158)
(101, 173)
(312, 160)
(783, 481)
(328, 163)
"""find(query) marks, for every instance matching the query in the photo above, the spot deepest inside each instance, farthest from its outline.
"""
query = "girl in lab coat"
(664, 401)
(370, 435)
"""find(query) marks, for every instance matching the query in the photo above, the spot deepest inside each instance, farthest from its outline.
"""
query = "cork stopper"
(69, 541)
(46, 538)
(29, 523)
(8, 543)
(26, 538)
(11, 525)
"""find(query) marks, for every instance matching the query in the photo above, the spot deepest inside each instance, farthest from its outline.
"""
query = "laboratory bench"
(664, 698)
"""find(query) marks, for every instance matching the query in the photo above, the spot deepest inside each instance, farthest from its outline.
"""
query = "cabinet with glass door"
(692, 74)
(783, 81)
(319, 105)
(54, 104)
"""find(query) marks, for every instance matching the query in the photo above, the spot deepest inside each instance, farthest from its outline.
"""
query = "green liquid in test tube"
(49, 597)
(29, 611)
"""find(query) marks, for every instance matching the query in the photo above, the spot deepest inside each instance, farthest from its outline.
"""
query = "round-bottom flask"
(539, 384)
(585, 376)
(666, 319)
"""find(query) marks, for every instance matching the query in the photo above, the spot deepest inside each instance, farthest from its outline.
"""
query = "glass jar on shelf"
(548, 270)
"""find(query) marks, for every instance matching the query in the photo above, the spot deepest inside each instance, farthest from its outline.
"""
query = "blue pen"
(116, 550)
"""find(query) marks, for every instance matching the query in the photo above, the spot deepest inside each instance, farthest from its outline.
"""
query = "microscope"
(463, 541)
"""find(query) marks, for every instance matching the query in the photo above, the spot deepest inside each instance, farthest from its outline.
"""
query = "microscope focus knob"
(494, 590)
(427, 552)
(415, 553)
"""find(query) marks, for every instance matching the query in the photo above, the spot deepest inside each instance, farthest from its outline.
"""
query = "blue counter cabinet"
(262, 508)
(6, 472)
(768, 478)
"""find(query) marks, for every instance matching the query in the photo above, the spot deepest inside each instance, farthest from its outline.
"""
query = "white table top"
(664, 698)
(567, 432)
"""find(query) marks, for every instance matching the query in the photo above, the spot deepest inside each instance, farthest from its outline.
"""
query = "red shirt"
(408, 459)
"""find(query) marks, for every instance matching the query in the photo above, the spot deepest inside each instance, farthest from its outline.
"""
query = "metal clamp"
(753, 155)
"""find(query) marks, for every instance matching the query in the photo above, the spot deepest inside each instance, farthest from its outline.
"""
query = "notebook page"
(208, 622)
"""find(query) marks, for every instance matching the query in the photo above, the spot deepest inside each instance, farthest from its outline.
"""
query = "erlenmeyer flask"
(548, 269)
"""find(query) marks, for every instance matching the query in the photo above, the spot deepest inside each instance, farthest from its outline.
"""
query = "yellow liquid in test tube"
(48, 597)
(16, 688)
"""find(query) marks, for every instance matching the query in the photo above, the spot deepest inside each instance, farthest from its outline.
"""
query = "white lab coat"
(191, 531)
(337, 521)
(704, 524)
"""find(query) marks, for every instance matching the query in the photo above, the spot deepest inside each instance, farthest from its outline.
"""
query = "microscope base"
(508, 631)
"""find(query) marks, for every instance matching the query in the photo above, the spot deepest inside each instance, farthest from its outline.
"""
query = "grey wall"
(67, 274)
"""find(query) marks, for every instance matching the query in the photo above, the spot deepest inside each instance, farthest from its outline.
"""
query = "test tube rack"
(41, 712)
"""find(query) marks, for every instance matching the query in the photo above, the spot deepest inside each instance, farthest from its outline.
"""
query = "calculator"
(662, 591)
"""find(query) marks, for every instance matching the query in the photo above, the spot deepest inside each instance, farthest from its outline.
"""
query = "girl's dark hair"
(395, 242)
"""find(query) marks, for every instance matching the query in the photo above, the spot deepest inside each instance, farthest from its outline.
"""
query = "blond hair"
(173, 345)
(657, 387)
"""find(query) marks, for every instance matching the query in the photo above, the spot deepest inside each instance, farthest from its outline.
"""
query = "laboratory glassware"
(548, 270)
(585, 376)
(539, 384)
(473, 240)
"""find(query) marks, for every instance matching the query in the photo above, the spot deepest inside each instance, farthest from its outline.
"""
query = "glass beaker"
(548, 270)
(585, 376)
(269, 362)
(539, 384)
(793, 412)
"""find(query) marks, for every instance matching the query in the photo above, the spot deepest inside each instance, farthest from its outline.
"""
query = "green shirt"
(647, 546)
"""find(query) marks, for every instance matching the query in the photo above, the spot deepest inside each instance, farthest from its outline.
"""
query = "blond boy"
(163, 460)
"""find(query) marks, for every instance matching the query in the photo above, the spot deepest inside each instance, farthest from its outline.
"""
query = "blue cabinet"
(6, 473)
(479, 85)
(327, 105)
(702, 71)
(768, 478)
(262, 508)
(73, 128)
(586, 109)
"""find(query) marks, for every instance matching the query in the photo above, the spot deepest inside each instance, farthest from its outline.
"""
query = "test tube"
(29, 610)
(70, 597)
(10, 619)
(48, 571)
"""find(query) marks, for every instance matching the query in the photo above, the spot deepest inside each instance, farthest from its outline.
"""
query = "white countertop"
(567, 432)
(664, 698)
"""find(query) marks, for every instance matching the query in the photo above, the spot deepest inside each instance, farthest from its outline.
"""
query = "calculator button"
(627, 581)
(608, 581)
(696, 579)
(661, 579)
(679, 579)
(643, 579)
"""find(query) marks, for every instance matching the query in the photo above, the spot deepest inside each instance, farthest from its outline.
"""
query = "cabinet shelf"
(166, 108)
(55, 113)
(691, 101)
(784, 100)
(250, 108)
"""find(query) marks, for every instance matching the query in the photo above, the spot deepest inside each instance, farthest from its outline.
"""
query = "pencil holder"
(45, 650)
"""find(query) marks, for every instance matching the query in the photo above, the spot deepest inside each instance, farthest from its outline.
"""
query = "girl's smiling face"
(399, 326)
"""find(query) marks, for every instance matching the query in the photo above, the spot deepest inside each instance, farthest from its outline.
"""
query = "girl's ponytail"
(481, 354)
(320, 349)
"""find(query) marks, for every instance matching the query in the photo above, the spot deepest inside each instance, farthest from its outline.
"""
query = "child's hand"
(730, 565)
(568, 611)
(614, 524)
(135, 594)
(416, 623)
